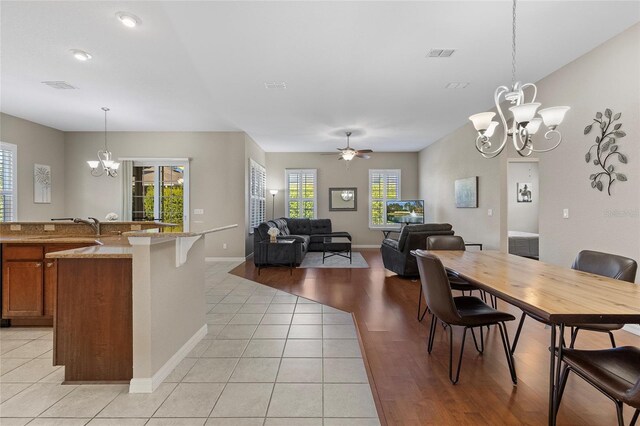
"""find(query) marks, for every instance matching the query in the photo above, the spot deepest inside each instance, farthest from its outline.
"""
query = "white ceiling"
(201, 66)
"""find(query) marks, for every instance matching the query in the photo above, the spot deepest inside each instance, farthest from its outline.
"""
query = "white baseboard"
(633, 328)
(224, 259)
(366, 246)
(150, 384)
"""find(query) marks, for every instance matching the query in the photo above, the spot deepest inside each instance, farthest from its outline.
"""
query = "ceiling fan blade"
(364, 156)
(364, 151)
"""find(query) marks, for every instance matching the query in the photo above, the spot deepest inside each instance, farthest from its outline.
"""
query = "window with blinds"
(384, 185)
(8, 182)
(301, 193)
(257, 194)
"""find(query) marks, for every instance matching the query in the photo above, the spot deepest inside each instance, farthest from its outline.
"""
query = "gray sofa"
(308, 233)
(396, 255)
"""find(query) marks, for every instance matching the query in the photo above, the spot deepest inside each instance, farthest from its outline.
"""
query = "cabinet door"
(22, 289)
(50, 283)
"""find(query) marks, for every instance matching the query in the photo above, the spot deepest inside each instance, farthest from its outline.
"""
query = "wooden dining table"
(558, 295)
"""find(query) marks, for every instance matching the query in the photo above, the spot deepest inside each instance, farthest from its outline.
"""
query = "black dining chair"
(448, 242)
(465, 311)
(595, 262)
(614, 372)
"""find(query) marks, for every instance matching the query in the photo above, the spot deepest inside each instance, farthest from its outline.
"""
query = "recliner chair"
(396, 254)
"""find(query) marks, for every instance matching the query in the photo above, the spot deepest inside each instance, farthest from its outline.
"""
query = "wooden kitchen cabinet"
(22, 289)
(29, 281)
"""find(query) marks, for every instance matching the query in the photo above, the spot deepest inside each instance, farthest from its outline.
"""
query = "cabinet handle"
(49, 264)
(39, 264)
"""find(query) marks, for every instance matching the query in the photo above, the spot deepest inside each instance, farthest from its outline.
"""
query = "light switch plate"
(136, 227)
(50, 227)
(490, 212)
(565, 213)
(15, 227)
(198, 211)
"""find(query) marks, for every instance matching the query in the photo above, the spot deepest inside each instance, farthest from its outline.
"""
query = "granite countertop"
(99, 251)
(49, 239)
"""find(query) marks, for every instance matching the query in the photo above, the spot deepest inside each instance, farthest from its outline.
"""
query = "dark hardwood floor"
(412, 387)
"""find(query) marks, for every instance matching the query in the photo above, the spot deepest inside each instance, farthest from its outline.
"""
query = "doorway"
(523, 195)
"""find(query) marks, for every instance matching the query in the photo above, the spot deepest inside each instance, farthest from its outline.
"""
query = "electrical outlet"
(49, 227)
(15, 227)
(198, 211)
(136, 227)
(224, 246)
(490, 212)
(565, 213)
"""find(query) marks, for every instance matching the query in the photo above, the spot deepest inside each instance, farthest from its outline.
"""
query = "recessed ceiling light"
(81, 55)
(128, 19)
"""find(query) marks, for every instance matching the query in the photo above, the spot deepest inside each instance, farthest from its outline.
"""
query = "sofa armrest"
(391, 243)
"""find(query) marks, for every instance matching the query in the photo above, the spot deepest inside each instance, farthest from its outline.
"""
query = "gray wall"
(606, 77)
(523, 216)
(334, 173)
(37, 144)
(217, 178)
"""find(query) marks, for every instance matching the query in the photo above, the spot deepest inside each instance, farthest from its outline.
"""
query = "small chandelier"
(524, 124)
(105, 164)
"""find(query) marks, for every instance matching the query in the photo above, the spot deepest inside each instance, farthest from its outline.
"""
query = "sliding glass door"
(160, 192)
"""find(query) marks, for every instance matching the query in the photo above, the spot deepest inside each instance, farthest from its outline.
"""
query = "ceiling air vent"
(62, 85)
(440, 53)
(277, 85)
(457, 85)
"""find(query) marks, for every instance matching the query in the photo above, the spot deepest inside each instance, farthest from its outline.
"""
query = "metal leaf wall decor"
(606, 150)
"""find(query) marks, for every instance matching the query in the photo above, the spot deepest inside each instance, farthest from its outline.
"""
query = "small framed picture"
(524, 192)
(41, 183)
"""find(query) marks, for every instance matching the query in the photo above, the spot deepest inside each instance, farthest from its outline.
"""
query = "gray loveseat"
(309, 233)
(396, 255)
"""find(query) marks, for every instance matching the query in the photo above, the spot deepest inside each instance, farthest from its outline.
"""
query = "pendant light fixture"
(525, 123)
(105, 163)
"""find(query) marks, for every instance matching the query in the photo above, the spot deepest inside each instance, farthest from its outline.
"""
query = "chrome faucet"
(92, 222)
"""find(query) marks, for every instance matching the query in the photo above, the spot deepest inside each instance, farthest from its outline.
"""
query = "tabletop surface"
(555, 293)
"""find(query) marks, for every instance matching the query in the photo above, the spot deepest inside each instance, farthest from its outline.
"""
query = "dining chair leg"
(517, 336)
(505, 342)
(420, 317)
(475, 342)
(620, 413)
(613, 339)
(634, 419)
(564, 376)
(574, 335)
(457, 377)
(432, 333)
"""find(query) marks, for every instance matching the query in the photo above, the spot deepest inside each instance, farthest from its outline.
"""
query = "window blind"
(384, 185)
(301, 193)
(257, 194)
(8, 184)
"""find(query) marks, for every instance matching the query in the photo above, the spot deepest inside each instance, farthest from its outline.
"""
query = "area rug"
(314, 260)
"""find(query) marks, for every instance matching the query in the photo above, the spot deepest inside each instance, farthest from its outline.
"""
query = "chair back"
(606, 264)
(436, 287)
(445, 242)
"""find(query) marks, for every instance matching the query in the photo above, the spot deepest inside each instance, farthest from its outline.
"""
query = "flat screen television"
(405, 211)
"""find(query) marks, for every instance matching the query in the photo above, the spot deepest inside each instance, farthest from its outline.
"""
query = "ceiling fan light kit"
(348, 153)
(525, 123)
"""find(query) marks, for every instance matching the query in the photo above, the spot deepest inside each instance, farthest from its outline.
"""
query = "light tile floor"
(269, 359)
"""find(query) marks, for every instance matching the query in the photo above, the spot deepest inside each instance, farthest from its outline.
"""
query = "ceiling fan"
(349, 153)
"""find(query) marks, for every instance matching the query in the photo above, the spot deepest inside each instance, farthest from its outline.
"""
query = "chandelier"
(104, 164)
(524, 123)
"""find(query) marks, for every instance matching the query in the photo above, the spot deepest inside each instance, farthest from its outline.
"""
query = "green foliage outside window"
(172, 205)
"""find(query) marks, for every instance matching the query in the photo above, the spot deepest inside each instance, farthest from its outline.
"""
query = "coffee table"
(336, 246)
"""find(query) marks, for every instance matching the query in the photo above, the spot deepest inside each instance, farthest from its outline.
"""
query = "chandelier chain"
(513, 46)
